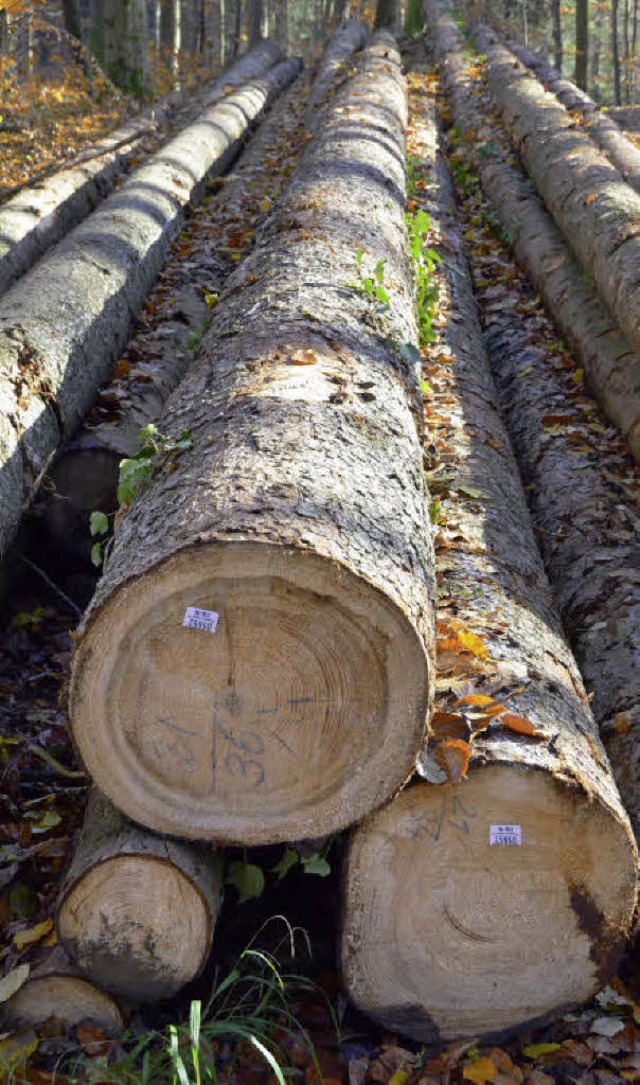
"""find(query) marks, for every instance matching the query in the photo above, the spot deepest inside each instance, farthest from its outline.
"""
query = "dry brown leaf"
(623, 723)
(479, 1071)
(477, 699)
(453, 757)
(304, 357)
(450, 725)
(521, 725)
(32, 934)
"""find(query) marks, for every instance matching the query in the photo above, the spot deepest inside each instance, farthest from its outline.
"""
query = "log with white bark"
(136, 911)
(55, 989)
(40, 215)
(84, 476)
(477, 907)
(601, 127)
(347, 39)
(297, 523)
(611, 368)
(594, 208)
(64, 323)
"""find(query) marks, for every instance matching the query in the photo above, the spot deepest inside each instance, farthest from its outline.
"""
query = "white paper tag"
(195, 618)
(506, 834)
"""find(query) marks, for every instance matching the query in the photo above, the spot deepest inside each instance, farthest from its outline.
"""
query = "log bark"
(348, 38)
(611, 368)
(40, 215)
(136, 911)
(64, 323)
(56, 989)
(447, 931)
(602, 128)
(594, 208)
(84, 477)
(298, 518)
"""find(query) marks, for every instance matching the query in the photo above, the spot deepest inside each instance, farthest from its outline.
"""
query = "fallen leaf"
(453, 756)
(477, 699)
(450, 725)
(479, 1071)
(93, 1040)
(534, 1051)
(32, 934)
(521, 725)
(16, 1049)
(13, 982)
(304, 357)
(474, 644)
(623, 723)
(607, 1026)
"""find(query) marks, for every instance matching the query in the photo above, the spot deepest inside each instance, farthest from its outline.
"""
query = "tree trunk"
(599, 21)
(126, 45)
(582, 43)
(65, 322)
(136, 911)
(97, 30)
(72, 18)
(388, 14)
(604, 131)
(55, 988)
(297, 522)
(255, 19)
(556, 22)
(595, 209)
(349, 38)
(615, 52)
(611, 368)
(460, 899)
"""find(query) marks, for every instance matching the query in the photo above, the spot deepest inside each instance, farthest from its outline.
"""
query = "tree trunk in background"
(255, 18)
(615, 51)
(627, 53)
(72, 18)
(127, 56)
(598, 29)
(557, 34)
(634, 40)
(282, 22)
(96, 34)
(388, 14)
(582, 43)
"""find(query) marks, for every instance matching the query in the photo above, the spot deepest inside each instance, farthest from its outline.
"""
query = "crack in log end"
(606, 950)
(413, 1021)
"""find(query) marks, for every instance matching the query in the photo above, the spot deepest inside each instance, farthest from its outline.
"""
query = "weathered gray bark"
(582, 43)
(444, 935)
(622, 153)
(611, 368)
(55, 988)
(346, 40)
(84, 476)
(595, 209)
(136, 911)
(302, 504)
(64, 323)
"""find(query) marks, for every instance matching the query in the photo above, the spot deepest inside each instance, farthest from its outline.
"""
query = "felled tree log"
(602, 128)
(54, 988)
(611, 368)
(136, 911)
(347, 39)
(84, 476)
(480, 905)
(41, 214)
(297, 523)
(595, 209)
(64, 323)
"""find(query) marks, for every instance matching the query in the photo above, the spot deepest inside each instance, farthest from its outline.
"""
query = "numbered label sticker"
(506, 834)
(196, 618)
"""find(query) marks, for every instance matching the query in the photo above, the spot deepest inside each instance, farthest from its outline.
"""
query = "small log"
(41, 214)
(595, 209)
(602, 127)
(56, 989)
(611, 368)
(136, 911)
(297, 523)
(348, 38)
(482, 906)
(64, 323)
(84, 476)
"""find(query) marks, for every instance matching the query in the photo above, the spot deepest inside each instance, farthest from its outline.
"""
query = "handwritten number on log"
(235, 761)
(453, 814)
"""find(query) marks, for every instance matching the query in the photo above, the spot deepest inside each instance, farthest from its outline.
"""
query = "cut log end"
(250, 732)
(447, 935)
(123, 937)
(70, 999)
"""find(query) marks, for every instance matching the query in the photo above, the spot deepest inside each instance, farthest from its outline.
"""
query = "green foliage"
(155, 453)
(29, 619)
(372, 285)
(250, 880)
(425, 260)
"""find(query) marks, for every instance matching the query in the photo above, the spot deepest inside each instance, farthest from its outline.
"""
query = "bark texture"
(298, 517)
(602, 128)
(346, 40)
(63, 324)
(611, 368)
(595, 209)
(56, 989)
(446, 934)
(136, 911)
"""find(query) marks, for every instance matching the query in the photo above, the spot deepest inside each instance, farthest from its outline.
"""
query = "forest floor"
(43, 788)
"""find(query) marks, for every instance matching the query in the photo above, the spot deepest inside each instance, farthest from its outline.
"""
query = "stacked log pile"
(257, 664)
